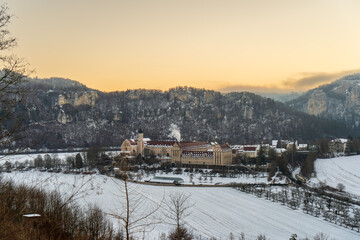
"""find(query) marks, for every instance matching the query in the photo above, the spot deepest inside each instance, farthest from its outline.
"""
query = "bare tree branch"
(13, 75)
(134, 218)
(177, 209)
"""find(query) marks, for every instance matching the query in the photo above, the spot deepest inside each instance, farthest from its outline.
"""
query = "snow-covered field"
(31, 156)
(216, 211)
(345, 170)
(204, 179)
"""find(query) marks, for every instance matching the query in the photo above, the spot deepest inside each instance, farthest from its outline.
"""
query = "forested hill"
(339, 100)
(62, 113)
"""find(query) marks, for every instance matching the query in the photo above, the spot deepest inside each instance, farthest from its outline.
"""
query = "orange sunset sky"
(277, 45)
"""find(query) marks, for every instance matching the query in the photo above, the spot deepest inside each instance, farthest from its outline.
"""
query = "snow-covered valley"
(216, 212)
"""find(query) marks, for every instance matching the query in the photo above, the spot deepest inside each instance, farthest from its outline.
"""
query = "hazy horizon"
(265, 91)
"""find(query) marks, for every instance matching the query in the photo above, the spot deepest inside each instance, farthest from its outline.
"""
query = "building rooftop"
(225, 146)
(161, 143)
(250, 149)
(192, 144)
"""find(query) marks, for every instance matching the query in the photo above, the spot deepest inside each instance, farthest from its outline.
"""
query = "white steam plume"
(175, 132)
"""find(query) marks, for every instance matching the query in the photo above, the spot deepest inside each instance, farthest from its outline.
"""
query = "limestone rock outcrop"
(339, 101)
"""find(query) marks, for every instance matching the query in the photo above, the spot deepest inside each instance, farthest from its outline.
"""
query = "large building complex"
(201, 153)
(197, 153)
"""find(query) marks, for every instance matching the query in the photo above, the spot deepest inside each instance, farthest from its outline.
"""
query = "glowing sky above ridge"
(110, 45)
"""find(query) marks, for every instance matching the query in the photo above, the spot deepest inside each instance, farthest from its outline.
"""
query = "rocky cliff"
(339, 100)
(63, 113)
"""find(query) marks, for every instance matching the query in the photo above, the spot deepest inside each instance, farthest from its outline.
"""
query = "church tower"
(140, 143)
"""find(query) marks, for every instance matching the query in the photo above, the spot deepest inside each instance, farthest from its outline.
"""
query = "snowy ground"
(216, 211)
(206, 179)
(31, 156)
(345, 170)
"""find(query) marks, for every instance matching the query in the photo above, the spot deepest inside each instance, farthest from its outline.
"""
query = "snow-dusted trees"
(356, 219)
(340, 187)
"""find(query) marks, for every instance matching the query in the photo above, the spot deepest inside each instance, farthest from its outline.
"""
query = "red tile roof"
(191, 144)
(164, 143)
(249, 148)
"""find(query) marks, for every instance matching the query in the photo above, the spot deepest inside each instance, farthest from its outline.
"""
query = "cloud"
(301, 82)
(309, 80)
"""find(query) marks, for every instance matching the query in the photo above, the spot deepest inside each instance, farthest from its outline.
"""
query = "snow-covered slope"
(345, 170)
(216, 211)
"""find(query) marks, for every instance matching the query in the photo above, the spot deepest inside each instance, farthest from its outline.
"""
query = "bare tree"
(177, 209)
(132, 215)
(48, 161)
(231, 236)
(70, 162)
(321, 236)
(242, 236)
(39, 161)
(85, 161)
(13, 72)
(78, 161)
(97, 226)
(261, 237)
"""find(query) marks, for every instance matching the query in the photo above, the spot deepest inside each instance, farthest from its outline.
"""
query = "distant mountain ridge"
(281, 97)
(56, 83)
(339, 100)
(62, 113)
